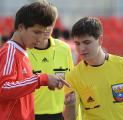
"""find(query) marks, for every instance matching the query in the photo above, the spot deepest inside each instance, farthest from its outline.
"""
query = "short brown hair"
(43, 13)
(88, 26)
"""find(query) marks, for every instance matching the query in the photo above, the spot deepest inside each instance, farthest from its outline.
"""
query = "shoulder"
(73, 76)
(115, 58)
(76, 69)
(116, 61)
(61, 44)
(7, 50)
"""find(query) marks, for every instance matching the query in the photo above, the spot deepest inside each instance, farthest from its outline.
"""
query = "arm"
(69, 112)
(70, 107)
(12, 88)
(17, 89)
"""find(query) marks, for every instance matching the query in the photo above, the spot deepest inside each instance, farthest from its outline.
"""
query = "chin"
(86, 58)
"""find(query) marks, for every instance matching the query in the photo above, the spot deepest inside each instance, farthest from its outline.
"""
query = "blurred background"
(110, 13)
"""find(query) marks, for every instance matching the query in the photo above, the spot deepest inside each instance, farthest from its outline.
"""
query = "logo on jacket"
(90, 99)
(117, 91)
(24, 71)
(44, 59)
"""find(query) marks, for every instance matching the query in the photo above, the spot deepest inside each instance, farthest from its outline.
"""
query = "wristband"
(44, 79)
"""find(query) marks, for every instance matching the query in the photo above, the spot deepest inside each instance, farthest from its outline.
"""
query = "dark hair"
(4, 39)
(57, 33)
(87, 26)
(42, 13)
(66, 34)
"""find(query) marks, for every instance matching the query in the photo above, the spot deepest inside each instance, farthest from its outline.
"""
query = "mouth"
(83, 54)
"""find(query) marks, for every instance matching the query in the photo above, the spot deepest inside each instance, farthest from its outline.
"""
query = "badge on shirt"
(117, 91)
(60, 74)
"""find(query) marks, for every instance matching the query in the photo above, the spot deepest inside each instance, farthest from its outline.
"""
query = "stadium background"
(110, 13)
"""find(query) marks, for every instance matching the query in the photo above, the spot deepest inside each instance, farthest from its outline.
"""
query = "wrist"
(43, 78)
(69, 104)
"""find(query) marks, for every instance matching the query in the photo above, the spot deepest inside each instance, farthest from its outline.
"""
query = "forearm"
(69, 112)
(17, 89)
(70, 106)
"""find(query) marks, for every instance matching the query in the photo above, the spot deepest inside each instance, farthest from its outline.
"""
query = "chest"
(49, 62)
(24, 68)
(100, 86)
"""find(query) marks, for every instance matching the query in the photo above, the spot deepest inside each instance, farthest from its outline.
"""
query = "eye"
(37, 32)
(77, 43)
(87, 42)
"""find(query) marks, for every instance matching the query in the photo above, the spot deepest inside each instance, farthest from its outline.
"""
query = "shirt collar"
(18, 47)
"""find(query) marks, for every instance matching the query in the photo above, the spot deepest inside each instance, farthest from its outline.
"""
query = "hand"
(69, 112)
(56, 82)
(70, 98)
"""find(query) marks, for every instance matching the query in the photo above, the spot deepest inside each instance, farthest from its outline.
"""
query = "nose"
(47, 32)
(38, 37)
(82, 47)
(48, 29)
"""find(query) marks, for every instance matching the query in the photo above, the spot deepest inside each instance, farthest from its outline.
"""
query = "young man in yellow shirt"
(97, 79)
(51, 56)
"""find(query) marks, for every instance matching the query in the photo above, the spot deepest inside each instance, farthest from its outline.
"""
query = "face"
(31, 36)
(46, 33)
(87, 46)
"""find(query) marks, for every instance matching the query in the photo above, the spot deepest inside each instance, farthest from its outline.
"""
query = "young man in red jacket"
(16, 79)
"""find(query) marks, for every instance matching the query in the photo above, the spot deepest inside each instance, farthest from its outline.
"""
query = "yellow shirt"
(57, 59)
(99, 88)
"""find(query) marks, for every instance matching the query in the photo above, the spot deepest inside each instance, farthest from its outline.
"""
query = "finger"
(66, 101)
(70, 93)
(51, 88)
(60, 85)
(64, 82)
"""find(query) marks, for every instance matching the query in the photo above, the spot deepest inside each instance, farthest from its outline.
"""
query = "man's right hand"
(70, 98)
(56, 82)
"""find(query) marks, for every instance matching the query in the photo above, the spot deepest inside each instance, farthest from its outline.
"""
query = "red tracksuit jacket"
(16, 83)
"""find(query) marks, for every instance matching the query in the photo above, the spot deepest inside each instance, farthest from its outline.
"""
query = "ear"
(21, 27)
(101, 39)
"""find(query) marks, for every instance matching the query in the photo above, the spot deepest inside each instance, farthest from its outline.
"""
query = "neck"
(97, 60)
(43, 45)
(17, 38)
